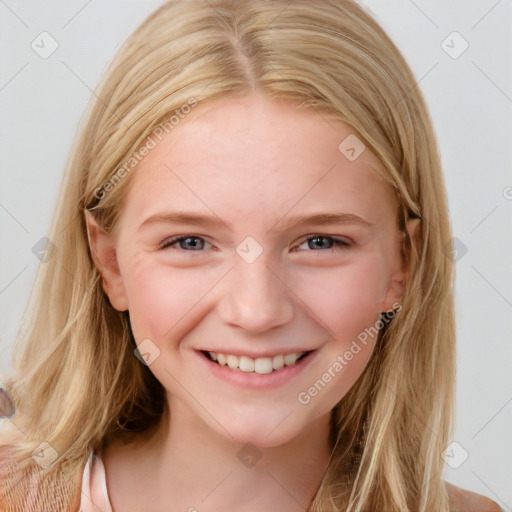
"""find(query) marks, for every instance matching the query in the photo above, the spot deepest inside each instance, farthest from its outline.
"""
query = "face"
(249, 234)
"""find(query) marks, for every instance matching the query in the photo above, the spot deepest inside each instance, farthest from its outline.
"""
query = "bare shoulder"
(463, 500)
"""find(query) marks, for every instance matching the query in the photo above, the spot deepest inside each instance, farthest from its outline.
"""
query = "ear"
(402, 272)
(103, 252)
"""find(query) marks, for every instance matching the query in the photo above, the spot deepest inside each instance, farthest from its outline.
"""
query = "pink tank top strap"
(94, 486)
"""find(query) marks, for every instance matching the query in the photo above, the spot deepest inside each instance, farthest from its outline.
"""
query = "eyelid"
(168, 242)
(338, 241)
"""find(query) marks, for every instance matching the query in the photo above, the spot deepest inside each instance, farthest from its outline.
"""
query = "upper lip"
(269, 353)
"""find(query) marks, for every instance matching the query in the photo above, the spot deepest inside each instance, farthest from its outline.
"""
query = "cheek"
(347, 298)
(346, 302)
(162, 300)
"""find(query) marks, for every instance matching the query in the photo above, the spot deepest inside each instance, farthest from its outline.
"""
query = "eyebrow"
(321, 219)
(287, 223)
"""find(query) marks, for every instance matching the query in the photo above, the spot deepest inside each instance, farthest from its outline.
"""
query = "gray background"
(470, 97)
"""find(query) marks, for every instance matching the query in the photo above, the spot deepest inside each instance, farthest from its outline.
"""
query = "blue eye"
(332, 242)
(183, 243)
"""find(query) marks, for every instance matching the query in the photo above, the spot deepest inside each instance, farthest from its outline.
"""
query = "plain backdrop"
(460, 53)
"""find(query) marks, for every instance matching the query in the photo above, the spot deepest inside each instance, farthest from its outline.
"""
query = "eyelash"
(342, 244)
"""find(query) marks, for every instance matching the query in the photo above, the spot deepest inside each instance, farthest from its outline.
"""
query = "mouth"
(260, 365)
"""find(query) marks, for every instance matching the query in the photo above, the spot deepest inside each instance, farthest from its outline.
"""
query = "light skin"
(251, 164)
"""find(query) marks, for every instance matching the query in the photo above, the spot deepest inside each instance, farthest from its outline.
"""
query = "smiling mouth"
(261, 365)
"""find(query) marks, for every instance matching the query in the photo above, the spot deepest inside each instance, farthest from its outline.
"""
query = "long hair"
(76, 378)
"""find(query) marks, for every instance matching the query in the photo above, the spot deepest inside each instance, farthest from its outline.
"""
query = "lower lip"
(255, 380)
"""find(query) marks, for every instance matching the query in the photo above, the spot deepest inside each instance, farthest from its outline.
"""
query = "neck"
(199, 469)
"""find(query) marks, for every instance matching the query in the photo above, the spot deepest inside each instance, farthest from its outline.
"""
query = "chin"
(263, 432)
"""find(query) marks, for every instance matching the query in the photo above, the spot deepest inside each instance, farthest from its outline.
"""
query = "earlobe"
(104, 255)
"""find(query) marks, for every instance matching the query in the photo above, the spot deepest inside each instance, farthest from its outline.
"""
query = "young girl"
(249, 307)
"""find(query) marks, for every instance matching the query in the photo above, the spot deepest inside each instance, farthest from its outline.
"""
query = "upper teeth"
(261, 365)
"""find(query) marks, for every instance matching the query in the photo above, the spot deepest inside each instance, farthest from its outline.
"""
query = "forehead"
(253, 156)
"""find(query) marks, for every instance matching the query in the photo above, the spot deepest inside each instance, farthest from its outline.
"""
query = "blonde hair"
(77, 380)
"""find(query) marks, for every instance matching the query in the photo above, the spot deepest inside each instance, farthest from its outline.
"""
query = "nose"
(256, 297)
